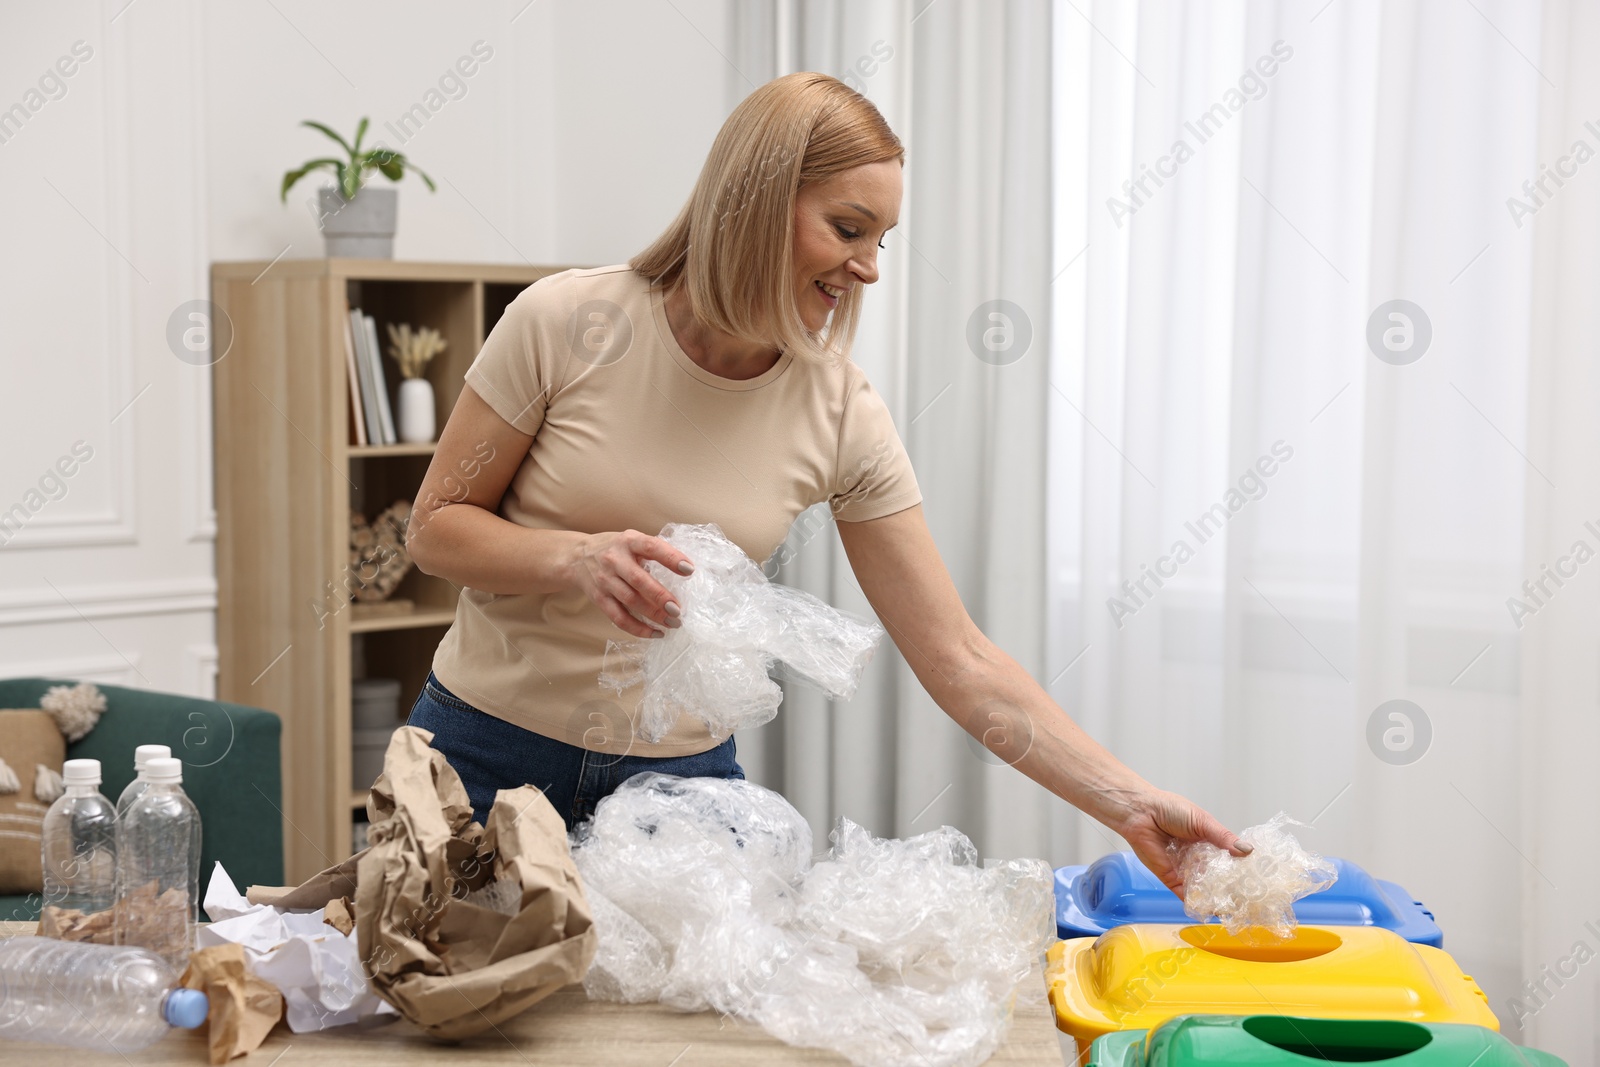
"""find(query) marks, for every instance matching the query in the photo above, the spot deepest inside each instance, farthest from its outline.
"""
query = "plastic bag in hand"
(736, 626)
(1255, 890)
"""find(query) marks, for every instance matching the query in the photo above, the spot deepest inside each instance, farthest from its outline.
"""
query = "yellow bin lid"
(1135, 977)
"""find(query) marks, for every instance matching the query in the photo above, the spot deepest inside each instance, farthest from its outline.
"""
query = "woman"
(708, 380)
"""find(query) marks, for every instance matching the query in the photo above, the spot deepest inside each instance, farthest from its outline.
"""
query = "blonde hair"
(732, 244)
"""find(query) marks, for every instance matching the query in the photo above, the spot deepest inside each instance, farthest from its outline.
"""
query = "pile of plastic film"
(888, 952)
(1258, 890)
(736, 627)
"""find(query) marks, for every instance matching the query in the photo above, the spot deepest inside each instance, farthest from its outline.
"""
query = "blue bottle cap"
(185, 1008)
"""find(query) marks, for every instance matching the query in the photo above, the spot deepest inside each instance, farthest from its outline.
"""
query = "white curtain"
(1255, 524)
(967, 88)
(1316, 164)
(1558, 788)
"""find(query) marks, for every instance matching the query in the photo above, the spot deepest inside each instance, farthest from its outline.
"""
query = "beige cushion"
(27, 739)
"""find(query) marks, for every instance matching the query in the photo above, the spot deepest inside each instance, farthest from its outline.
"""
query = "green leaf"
(319, 126)
(407, 164)
(393, 165)
(292, 176)
(361, 131)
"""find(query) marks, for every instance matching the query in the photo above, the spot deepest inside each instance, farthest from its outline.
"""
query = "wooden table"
(564, 1030)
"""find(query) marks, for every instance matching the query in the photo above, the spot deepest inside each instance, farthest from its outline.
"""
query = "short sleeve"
(520, 365)
(873, 475)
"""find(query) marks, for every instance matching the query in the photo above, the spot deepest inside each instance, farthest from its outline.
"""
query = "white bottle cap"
(81, 772)
(164, 771)
(145, 753)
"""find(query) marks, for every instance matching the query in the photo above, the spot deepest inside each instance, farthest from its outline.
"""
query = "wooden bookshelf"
(287, 475)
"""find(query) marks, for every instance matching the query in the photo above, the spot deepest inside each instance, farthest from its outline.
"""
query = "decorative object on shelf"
(374, 717)
(378, 556)
(412, 351)
(375, 705)
(355, 221)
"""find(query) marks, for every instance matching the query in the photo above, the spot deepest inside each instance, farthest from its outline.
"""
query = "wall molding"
(199, 496)
(110, 669)
(116, 600)
(115, 524)
(200, 662)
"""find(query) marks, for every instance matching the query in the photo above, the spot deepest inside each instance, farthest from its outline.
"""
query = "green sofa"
(231, 770)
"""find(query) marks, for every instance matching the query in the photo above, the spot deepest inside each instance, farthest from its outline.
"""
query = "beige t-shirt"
(630, 433)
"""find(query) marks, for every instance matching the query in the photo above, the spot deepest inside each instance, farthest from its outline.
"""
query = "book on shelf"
(358, 418)
(375, 354)
(369, 396)
(369, 370)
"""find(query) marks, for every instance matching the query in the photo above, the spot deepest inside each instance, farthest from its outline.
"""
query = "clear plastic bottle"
(90, 996)
(78, 846)
(158, 856)
(141, 755)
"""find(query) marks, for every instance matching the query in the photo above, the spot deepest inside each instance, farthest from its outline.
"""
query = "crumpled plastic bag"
(1254, 890)
(459, 926)
(736, 626)
(889, 952)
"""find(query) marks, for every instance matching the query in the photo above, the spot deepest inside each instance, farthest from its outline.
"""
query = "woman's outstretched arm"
(990, 696)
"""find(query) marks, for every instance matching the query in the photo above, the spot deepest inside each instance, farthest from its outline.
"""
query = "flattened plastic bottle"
(102, 997)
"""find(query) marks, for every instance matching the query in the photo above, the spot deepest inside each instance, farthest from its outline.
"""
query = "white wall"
(574, 142)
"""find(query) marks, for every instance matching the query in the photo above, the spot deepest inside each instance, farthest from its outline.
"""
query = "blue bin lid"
(1117, 889)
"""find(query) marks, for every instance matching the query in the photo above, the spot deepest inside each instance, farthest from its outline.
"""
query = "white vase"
(416, 411)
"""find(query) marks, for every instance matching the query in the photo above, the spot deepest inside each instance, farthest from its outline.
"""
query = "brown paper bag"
(244, 1008)
(459, 926)
(315, 892)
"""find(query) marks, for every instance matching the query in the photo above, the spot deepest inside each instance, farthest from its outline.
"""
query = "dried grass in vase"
(413, 349)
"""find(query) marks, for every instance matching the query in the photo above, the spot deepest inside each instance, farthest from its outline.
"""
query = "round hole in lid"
(1339, 1040)
(1259, 946)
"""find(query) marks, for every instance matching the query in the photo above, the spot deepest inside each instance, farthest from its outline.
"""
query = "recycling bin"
(1139, 975)
(1117, 889)
(1267, 1040)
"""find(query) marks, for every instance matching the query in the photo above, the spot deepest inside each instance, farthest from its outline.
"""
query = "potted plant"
(354, 220)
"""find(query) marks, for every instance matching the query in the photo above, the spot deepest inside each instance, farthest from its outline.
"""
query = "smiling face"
(838, 226)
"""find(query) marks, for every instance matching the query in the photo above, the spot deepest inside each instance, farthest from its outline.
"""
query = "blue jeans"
(491, 754)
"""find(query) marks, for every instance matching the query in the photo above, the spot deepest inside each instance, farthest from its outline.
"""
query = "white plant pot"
(416, 411)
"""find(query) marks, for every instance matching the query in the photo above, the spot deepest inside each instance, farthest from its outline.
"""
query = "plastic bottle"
(141, 755)
(78, 845)
(158, 854)
(91, 996)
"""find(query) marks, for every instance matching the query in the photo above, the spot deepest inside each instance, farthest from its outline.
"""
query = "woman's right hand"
(609, 569)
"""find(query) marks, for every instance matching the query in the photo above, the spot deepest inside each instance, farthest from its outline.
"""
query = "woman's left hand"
(1160, 818)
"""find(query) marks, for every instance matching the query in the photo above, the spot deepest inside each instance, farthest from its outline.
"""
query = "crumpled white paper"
(316, 968)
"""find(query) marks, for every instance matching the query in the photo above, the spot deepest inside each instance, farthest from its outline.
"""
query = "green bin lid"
(1265, 1040)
